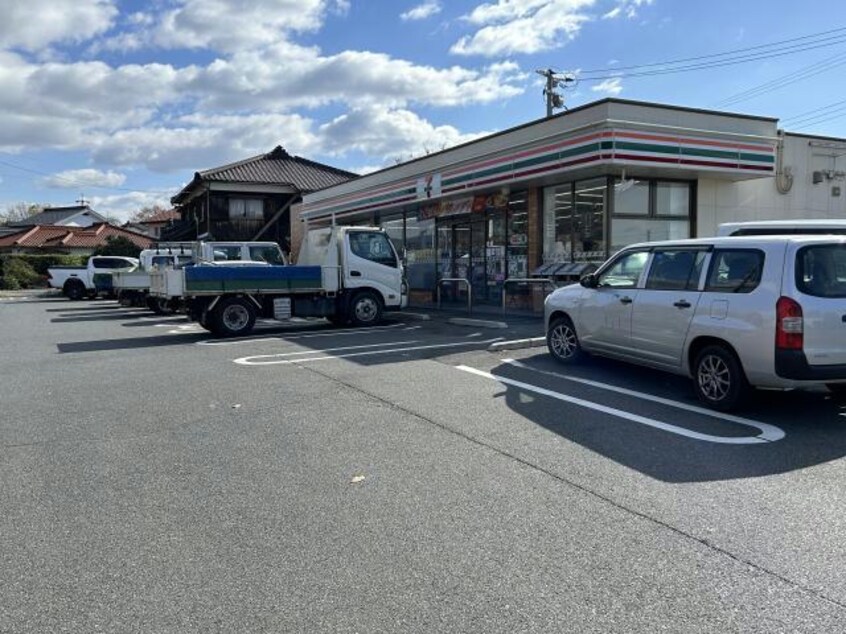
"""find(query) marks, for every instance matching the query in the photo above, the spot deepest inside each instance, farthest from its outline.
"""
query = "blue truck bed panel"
(222, 279)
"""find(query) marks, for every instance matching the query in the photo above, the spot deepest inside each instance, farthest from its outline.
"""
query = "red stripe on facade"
(693, 141)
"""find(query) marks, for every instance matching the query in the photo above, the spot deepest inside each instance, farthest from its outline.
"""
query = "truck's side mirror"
(588, 281)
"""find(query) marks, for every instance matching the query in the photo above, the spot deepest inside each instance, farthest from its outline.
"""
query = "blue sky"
(123, 100)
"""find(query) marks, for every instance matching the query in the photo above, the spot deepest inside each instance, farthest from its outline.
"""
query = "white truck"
(95, 278)
(133, 287)
(345, 274)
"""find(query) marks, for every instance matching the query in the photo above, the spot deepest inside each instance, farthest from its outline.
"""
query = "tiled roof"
(274, 168)
(55, 215)
(76, 237)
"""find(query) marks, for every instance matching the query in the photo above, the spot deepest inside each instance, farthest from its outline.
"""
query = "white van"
(731, 313)
(782, 228)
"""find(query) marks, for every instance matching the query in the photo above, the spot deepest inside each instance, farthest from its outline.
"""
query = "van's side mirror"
(588, 281)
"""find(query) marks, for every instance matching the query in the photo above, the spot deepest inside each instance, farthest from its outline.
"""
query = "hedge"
(25, 271)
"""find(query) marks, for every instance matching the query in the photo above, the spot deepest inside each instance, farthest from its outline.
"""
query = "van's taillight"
(790, 326)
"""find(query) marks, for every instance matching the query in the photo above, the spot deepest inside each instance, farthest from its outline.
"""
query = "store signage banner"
(446, 208)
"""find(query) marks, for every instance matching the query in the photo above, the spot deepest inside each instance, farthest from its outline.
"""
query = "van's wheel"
(233, 317)
(718, 378)
(563, 342)
(365, 309)
(74, 290)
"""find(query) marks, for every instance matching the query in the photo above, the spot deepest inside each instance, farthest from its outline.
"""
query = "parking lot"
(396, 478)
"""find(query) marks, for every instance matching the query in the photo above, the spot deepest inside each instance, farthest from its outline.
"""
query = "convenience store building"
(557, 196)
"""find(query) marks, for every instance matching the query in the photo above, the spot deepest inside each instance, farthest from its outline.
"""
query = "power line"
(824, 120)
(805, 115)
(806, 72)
(714, 55)
(703, 66)
(74, 183)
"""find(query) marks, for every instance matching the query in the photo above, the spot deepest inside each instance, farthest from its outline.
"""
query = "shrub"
(19, 274)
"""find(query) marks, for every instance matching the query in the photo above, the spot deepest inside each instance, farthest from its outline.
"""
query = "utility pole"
(553, 81)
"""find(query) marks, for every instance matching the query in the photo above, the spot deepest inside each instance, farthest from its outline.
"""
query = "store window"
(518, 235)
(420, 253)
(394, 226)
(589, 221)
(558, 223)
(649, 210)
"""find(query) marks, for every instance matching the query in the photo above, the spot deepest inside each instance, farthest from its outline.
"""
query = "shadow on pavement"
(814, 424)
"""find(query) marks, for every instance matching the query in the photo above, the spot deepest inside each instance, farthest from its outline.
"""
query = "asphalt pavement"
(401, 478)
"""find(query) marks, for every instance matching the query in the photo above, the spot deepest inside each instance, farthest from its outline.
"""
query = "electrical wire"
(713, 55)
(812, 114)
(806, 72)
(83, 185)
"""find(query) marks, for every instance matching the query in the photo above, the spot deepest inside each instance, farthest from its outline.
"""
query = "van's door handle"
(355, 273)
(626, 300)
(682, 303)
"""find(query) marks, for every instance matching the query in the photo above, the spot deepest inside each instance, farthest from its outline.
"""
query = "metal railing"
(523, 280)
(457, 279)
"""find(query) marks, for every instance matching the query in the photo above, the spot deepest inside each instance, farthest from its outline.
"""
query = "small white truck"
(133, 287)
(345, 274)
(93, 279)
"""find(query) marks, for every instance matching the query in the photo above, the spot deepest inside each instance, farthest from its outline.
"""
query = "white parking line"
(325, 350)
(307, 335)
(465, 344)
(769, 433)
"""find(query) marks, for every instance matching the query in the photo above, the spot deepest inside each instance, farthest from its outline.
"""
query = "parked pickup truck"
(92, 280)
(346, 274)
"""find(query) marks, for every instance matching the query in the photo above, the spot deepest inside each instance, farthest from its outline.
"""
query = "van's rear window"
(821, 270)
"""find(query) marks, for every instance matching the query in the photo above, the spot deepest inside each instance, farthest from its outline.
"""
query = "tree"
(20, 211)
(118, 245)
(145, 213)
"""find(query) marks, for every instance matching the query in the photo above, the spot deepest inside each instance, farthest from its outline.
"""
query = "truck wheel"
(365, 309)
(74, 289)
(160, 305)
(233, 317)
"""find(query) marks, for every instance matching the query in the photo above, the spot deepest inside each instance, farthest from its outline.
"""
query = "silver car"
(732, 313)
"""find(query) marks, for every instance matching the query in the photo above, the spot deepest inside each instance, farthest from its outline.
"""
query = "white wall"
(723, 201)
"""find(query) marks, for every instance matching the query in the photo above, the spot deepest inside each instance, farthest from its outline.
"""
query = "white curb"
(476, 323)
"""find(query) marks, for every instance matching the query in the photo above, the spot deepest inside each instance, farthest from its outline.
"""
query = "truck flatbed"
(214, 280)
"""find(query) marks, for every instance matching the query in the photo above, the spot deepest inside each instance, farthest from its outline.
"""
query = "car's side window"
(735, 271)
(675, 270)
(625, 271)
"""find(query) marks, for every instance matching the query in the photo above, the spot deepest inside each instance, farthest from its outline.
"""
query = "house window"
(249, 208)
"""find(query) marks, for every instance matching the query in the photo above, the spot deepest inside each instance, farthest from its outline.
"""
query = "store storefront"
(568, 190)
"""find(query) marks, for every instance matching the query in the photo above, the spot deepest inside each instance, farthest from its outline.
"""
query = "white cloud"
(389, 134)
(72, 179)
(35, 24)
(613, 86)
(422, 11)
(121, 206)
(626, 8)
(522, 26)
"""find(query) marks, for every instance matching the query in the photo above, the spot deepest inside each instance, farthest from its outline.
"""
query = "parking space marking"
(307, 335)
(769, 433)
(280, 355)
(465, 344)
(772, 430)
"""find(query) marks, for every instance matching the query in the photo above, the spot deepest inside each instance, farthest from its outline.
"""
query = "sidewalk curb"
(518, 344)
(476, 323)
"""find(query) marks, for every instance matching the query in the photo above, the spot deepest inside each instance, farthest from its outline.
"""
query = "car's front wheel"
(563, 342)
(718, 378)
